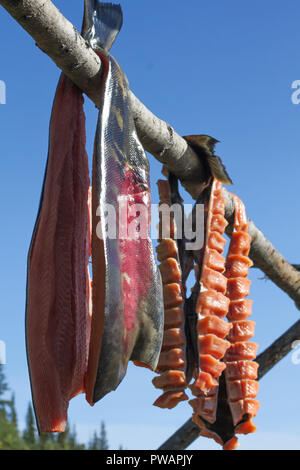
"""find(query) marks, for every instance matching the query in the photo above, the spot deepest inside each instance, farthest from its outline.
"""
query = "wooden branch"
(187, 434)
(278, 350)
(59, 39)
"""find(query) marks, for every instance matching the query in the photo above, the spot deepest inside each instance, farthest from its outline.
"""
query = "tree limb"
(59, 39)
(187, 433)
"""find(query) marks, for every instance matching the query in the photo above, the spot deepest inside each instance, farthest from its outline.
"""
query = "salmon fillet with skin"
(228, 409)
(172, 361)
(211, 306)
(58, 283)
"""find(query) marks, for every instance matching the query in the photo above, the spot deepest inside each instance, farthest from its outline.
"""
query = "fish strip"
(172, 361)
(58, 283)
(127, 320)
(241, 391)
(212, 306)
(236, 403)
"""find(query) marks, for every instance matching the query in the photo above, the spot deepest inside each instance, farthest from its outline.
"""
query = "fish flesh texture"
(236, 403)
(212, 328)
(81, 333)
(172, 360)
(58, 313)
(243, 387)
(127, 318)
(217, 331)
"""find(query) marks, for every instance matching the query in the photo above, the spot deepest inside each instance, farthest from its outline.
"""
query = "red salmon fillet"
(173, 337)
(205, 406)
(170, 379)
(172, 295)
(238, 288)
(170, 399)
(242, 350)
(237, 387)
(218, 205)
(211, 365)
(237, 265)
(172, 360)
(205, 382)
(170, 271)
(58, 289)
(213, 280)
(211, 324)
(211, 306)
(241, 369)
(212, 344)
(212, 302)
(214, 260)
(239, 309)
(218, 223)
(166, 249)
(240, 389)
(240, 243)
(246, 407)
(242, 330)
(216, 241)
(174, 317)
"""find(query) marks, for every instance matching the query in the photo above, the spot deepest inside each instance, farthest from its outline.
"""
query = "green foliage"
(12, 439)
(99, 442)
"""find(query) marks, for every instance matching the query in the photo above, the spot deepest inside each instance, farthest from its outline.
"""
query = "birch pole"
(60, 40)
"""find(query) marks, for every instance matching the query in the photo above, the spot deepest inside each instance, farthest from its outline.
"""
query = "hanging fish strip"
(217, 331)
(69, 352)
(127, 322)
(172, 360)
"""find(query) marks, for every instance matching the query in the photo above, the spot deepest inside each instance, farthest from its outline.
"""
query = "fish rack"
(53, 33)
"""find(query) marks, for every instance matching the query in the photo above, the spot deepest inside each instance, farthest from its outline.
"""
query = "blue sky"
(218, 68)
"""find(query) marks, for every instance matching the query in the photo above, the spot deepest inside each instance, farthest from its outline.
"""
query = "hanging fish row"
(82, 332)
(224, 373)
(83, 326)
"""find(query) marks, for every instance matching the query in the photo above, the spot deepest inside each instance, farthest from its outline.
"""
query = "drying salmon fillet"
(239, 309)
(58, 285)
(241, 369)
(228, 409)
(172, 361)
(216, 241)
(212, 304)
(211, 324)
(217, 330)
(242, 330)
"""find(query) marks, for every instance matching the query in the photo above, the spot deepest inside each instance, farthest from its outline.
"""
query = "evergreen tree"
(3, 389)
(103, 442)
(11, 438)
(13, 413)
(9, 434)
(29, 434)
(99, 442)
